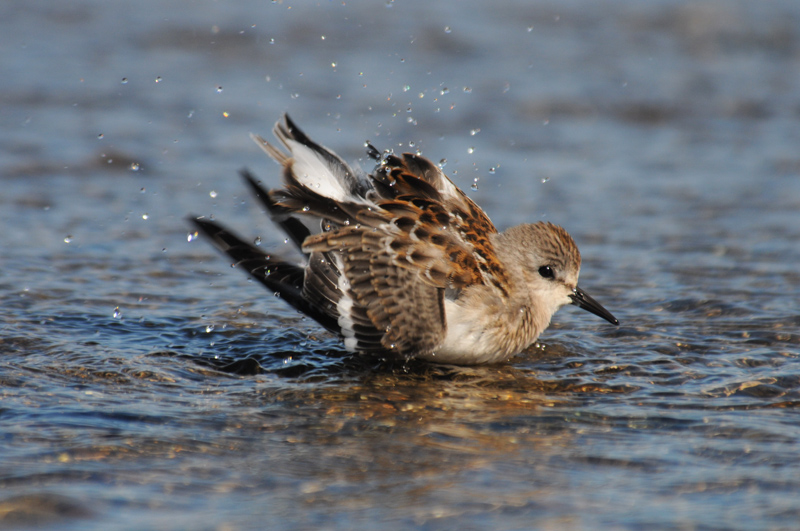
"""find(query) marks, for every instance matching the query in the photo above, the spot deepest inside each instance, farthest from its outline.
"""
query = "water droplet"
(100, 136)
(209, 328)
(142, 190)
(257, 241)
(406, 88)
(124, 81)
(545, 179)
(135, 166)
(191, 236)
(468, 90)
(219, 89)
(470, 150)
(286, 240)
(411, 144)
(474, 184)
(213, 194)
(68, 238)
(117, 313)
(158, 79)
(444, 91)
(447, 29)
(475, 131)
(442, 163)
(333, 65)
(492, 170)
(145, 216)
(306, 208)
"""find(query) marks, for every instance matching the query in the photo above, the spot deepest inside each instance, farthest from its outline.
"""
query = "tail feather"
(314, 166)
(293, 227)
(318, 185)
(296, 198)
(283, 278)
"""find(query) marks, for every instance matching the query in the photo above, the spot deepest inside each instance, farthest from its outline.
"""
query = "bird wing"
(416, 181)
(392, 245)
(421, 237)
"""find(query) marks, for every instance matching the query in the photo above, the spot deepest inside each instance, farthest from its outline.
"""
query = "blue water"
(146, 384)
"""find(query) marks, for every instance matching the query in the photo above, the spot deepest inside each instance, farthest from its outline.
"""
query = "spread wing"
(392, 245)
(421, 237)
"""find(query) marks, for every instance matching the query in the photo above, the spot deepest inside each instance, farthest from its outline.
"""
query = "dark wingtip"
(202, 223)
(372, 152)
(259, 191)
(289, 122)
(297, 134)
(293, 227)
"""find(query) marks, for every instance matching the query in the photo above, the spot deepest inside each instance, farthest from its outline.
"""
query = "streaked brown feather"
(401, 251)
(423, 231)
(448, 208)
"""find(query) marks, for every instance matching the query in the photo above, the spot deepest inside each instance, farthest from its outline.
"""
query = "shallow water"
(145, 384)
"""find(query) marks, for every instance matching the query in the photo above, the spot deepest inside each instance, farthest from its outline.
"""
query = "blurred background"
(146, 384)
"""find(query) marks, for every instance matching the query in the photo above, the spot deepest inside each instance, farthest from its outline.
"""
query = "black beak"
(582, 300)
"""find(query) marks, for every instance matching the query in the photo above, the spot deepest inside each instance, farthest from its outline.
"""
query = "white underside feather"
(315, 173)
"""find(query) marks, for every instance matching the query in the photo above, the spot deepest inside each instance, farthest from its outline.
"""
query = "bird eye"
(547, 272)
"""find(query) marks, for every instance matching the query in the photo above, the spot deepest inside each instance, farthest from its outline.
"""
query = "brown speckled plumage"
(404, 261)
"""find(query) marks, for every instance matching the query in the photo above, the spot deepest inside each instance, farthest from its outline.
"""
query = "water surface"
(146, 384)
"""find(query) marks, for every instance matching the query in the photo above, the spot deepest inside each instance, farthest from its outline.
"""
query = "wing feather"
(393, 245)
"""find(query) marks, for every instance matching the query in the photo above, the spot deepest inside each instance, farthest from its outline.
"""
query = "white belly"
(467, 342)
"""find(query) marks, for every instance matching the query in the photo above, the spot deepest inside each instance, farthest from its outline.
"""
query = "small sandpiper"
(403, 261)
